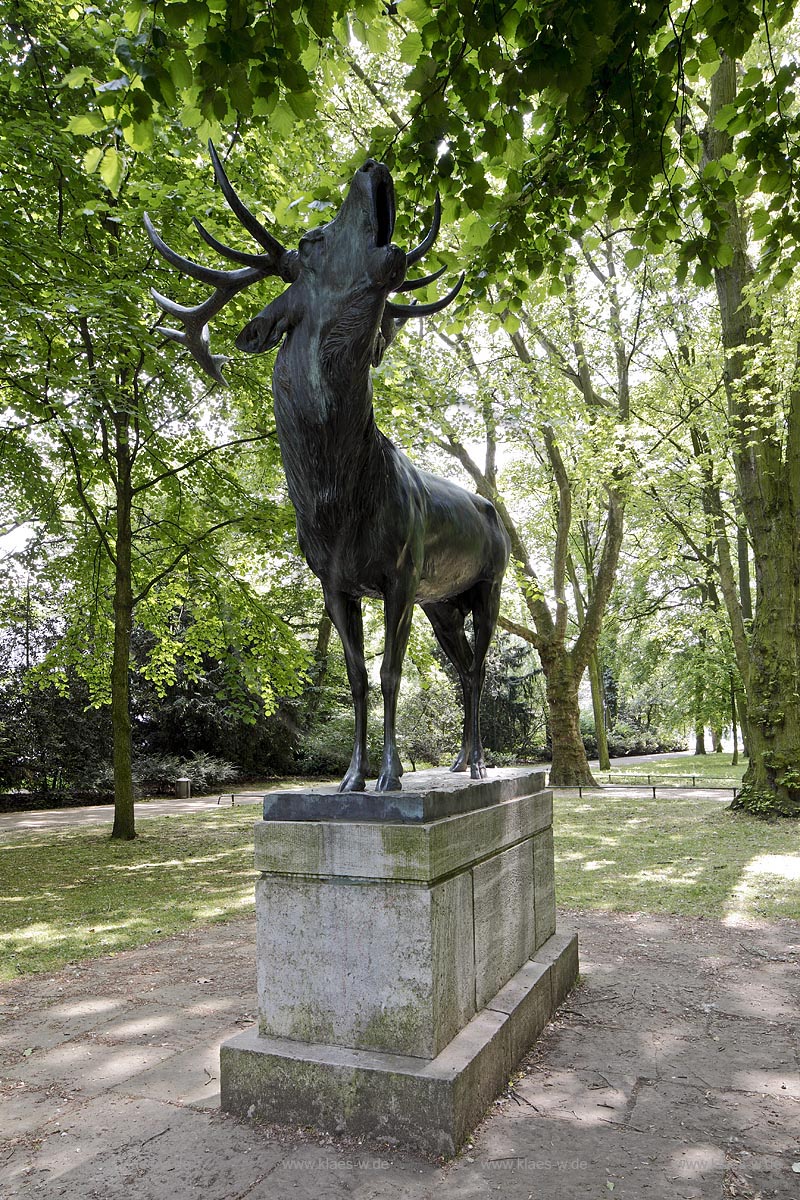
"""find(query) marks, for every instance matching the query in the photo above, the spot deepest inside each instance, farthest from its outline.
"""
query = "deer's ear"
(265, 331)
(384, 338)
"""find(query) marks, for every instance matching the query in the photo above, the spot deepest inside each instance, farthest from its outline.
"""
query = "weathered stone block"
(561, 951)
(424, 1105)
(399, 978)
(528, 998)
(365, 964)
(504, 918)
(411, 852)
(544, 875)
(426, 796)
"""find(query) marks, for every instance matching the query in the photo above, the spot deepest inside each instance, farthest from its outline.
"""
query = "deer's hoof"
(478, 771)
(353, 783)
(389, 783)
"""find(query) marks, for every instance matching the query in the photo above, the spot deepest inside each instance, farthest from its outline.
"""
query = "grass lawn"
(71, 894)
(673, 855)
(678, 769)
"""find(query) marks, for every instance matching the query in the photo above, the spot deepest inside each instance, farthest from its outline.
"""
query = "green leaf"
(377, 38)
(410, 48)
(112, 169)
(139, 135)
(91, 159)
(77, 77)
(180, 69)
(702, 275)
(191, 116)
(86, 123)
(282, 119)
(633, 258)
(302, 104)
(724, 255)
(416, 11)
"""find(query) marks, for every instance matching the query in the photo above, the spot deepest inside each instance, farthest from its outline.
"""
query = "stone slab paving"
(672, 1073)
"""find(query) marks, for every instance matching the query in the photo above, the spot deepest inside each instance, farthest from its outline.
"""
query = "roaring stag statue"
(368, 522)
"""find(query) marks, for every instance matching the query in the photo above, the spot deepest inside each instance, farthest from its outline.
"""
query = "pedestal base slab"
(429, 1105)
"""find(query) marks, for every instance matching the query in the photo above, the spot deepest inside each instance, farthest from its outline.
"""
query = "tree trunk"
(772, 780)
(124, 827)
(596, 681)
(318, 671)
(716, 740)
(766, 452)
(699, 738)
(570, 766)
(741, 708)
(735, 758)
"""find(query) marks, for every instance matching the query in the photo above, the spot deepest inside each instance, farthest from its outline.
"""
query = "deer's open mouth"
(383, 199)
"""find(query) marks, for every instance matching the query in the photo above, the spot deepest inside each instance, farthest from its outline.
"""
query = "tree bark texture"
(596, 680)
(570, 766)
(768, 484)
(124, 824)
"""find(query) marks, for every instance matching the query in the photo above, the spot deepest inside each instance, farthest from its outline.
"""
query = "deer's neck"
(330, 444)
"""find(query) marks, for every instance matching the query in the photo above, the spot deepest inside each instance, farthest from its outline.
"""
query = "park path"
(59, 818)
(102, 814)
(672, 1073)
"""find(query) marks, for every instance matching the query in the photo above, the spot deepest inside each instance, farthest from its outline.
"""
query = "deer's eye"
(311, 248)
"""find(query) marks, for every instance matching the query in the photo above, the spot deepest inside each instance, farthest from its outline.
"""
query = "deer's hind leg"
(447, 619)
(345, 612)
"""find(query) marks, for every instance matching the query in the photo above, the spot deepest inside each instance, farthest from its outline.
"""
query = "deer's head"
(349, 261)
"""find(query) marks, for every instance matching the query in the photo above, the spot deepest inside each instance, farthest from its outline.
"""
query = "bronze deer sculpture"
(368, 522)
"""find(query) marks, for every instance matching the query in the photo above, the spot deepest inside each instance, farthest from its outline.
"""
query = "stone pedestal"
(407, 956)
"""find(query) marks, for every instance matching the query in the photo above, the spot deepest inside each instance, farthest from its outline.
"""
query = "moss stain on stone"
(405, 848)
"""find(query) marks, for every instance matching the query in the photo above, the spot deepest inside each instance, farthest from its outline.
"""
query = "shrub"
(630, 737)
(157, 774)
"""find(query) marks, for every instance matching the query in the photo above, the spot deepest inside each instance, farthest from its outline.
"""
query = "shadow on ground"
(671, 1072)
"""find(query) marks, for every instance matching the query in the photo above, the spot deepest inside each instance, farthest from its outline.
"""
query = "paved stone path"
(103, 814)
(671, 1074)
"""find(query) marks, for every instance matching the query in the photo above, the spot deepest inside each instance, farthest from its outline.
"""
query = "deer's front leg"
(398, 607)
(345, 612)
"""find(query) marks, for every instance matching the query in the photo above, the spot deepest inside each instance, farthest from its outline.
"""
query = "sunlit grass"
(71, 894)
(66, 895)
(689, 856)
(678, 769)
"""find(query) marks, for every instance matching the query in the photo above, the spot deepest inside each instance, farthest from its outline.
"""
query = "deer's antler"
(276, 260)
(403, 312)
(430, 237)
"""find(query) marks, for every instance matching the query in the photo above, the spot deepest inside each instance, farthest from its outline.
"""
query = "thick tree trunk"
(318, 671)
(741, 706)
(766, 445)
(120, 715)
(570, 766)
(772, 780)
(124, 827)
